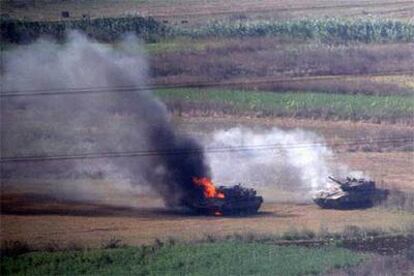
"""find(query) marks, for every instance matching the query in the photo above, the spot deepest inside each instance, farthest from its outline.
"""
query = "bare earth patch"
(196, 11)
(91, 224)
(28, 214)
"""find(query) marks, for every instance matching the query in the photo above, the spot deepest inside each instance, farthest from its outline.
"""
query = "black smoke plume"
(70, 124)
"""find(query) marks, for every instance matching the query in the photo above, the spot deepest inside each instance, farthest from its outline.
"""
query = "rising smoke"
(104, 122)
(298, 161)
(92, 123)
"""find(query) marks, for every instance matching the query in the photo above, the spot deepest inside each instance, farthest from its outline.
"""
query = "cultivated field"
(190, 12)
(338, 71)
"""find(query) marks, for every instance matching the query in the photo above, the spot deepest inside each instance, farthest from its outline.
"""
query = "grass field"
(326, 30)
(296, 104)
(112, 29)
(219, 258)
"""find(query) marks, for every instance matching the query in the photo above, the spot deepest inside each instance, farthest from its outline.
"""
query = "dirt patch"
(45, 222)
(379, 265)
(391, 245)
(28, 215)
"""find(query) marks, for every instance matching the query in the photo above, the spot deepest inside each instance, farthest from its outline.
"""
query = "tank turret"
(350, 193)
(236, 200)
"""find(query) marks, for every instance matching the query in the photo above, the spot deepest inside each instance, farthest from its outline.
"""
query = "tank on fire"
(237, 200)
(350, 193)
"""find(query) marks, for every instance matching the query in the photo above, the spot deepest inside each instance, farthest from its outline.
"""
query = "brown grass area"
(334, 132)
(91, 224)
(266, 62)
(379, 265)
(29, 215)
(42, 220)
(390, 170)
(196, 11)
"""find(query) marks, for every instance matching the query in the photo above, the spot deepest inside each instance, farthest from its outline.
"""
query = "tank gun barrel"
(335, 180)
(351, 193)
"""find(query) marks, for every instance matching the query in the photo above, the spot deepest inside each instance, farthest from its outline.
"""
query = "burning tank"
(235, 200)
(350, 193)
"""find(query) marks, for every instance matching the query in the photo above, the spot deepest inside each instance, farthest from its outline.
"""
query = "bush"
(326, 30)
(113, 242)
(101, 29)
(14, 248)
(112, 29)
(218, 258)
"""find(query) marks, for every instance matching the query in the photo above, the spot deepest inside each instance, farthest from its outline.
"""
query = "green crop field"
(218, 258)
(327, 105)
(112, 29)
(332, 30)
(102, 29)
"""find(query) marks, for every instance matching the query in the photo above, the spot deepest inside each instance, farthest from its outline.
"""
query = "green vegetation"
(102, 29)
(326, 30)
(217, 258)
(300, 104)
(111, 29)
(178, 44)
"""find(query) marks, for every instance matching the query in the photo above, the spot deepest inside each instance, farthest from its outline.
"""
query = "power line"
(165, 152)
(203, 84)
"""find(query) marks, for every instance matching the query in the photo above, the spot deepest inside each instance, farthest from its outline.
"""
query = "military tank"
(350, 193)
(236, 200)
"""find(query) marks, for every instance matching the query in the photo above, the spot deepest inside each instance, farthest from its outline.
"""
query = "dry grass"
(379, 265)
(138, 226)
(334, 132)
(192, 12)
(403, 80)
(40, 220)
(390, 170)
(269, 58)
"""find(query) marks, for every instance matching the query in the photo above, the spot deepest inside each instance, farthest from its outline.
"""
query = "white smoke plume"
(296, 160)
(121, 122)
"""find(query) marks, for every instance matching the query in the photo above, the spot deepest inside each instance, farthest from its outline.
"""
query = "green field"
(300, 104)
(330, 30)
(170, 45)
(218, 258)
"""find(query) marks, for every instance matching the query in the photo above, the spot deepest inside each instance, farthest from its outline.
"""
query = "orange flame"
(209, 190)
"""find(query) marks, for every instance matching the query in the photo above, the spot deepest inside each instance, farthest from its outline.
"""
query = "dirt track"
(42, 220)
(28, 214)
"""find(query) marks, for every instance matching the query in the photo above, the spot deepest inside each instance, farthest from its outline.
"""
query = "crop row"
(299, 104)
(229, 258)
(102, 29)
(327, 30)
(111, 29)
